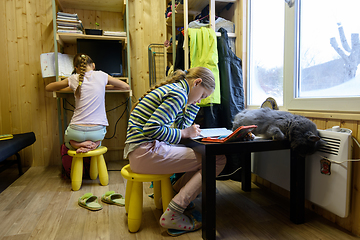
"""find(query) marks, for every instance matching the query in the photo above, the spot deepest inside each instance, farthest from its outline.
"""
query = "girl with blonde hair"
(164, 116)
(87, 127)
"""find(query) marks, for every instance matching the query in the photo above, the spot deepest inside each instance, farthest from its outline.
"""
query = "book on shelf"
(68, 28)
(70, 23)
(67, 15)
(114, 33)
(70, 31)
(66, 18)
(67, 23)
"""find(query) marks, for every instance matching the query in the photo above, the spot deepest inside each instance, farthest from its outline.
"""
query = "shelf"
(194, 8)
(109, 5)
(72, 37)
(64, 94)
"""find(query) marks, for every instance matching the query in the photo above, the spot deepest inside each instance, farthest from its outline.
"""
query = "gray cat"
(279, 125)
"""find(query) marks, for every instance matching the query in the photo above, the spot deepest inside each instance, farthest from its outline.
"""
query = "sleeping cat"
(279, 125)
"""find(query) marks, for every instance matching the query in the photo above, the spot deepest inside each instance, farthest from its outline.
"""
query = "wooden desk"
(62, 115)
(244, 149)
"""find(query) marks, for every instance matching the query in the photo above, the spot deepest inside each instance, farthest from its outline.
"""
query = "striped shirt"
(154, 116)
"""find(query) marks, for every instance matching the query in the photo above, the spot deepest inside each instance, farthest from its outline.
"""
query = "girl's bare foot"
(82, 150)
(83, 147)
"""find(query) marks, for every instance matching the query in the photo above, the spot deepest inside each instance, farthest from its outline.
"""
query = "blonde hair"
(208, 79)
(81, 61)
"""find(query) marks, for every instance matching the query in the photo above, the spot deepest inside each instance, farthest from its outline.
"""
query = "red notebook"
(238, 135)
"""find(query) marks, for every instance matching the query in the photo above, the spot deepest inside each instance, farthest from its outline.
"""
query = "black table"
(244, 149)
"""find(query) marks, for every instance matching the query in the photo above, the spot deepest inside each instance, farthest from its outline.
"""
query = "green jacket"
(203, 53)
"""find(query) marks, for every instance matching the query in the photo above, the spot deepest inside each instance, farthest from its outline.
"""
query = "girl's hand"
(191, 132)
(116, 84)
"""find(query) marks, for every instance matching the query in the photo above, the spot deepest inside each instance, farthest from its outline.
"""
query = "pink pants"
(160, 158)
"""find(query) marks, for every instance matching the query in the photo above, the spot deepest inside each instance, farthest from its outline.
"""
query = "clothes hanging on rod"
(219, 23)
(231, 88)
(203, 52)
(231, 80)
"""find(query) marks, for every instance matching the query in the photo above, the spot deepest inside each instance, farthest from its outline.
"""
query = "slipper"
(111, 197)
(90, 202)
(197, 224)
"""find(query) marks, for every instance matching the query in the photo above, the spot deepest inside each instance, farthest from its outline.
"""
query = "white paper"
(213, 132)
(65, 65)
(47, 61)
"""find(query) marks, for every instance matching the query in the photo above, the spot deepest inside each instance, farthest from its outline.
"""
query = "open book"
(238, 135)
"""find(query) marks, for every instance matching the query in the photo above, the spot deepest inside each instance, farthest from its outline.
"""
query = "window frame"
(290, 72)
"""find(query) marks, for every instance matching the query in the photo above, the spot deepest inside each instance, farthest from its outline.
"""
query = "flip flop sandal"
(90, 202)
(111, 197)
(197, 224)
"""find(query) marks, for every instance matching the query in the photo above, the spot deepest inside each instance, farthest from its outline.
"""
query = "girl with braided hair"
(87, 127)
(158, 122)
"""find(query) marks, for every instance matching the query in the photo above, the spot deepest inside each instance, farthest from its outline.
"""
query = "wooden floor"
(40, 205)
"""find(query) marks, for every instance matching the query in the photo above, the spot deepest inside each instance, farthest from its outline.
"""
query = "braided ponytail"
(81, 76)
(81, 61)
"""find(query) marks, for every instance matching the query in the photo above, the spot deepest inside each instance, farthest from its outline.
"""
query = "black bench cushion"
(11, 146)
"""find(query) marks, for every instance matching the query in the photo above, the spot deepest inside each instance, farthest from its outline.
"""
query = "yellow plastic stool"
(134, 194)
(97, 167)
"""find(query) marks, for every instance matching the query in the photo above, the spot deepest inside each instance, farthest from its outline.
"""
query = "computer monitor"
(106, 54)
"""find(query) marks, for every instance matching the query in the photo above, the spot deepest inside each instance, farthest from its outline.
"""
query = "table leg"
(246, 171)
(297, 188)
(208, 197)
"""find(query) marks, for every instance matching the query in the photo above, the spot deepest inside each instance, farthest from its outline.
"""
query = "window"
(329, 49)
(266, 46)
(321, 54)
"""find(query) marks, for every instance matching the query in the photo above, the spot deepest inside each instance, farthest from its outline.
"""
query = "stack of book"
(69, 23)
(114, 33)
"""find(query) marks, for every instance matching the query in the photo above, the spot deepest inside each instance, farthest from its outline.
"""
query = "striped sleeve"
(159, 124)
(186, 119)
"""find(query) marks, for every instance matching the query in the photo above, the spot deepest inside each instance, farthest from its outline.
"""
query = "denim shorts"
(82, 133)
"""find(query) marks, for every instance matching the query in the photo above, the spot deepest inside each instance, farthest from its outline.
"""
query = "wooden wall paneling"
(332, 122)
(34, 107)
(137, 43)
(48, 147)
(107, 22)
(14, 112)
(52, 154)
(26, 24)
(89, 19)
(43, 112)
(5, 122)
(147, 25)
(320, 123)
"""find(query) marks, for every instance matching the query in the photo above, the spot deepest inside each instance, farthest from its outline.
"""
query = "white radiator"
(327, 183)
